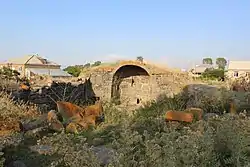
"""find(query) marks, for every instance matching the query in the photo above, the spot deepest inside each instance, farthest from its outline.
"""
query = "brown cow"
(75, 116)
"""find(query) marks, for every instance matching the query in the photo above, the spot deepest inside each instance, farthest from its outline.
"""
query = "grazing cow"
(74, 115)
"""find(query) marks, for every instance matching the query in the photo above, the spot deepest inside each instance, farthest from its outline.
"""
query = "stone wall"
(101, 83)
(137, 91)
(144, 88)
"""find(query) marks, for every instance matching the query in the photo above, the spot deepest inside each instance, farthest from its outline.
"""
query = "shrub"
(10, 115)
(9, 110)
(223, 143)
(213, 74)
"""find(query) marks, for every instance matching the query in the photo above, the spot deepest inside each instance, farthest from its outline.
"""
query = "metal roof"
(50, 72)
(19, 60)
(30, 59)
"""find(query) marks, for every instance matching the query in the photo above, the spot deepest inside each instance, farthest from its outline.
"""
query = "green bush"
(213, 74)
(73, 70)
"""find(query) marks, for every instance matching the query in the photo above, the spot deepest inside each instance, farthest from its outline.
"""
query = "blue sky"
(176, 33)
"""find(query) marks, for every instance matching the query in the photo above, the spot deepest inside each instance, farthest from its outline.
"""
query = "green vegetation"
(77, 69)
(213, 74)
(221, 63)
(87, 65)
(139, 58)
(73, 70)
(207, 61)
(143, 138)
(97, 63)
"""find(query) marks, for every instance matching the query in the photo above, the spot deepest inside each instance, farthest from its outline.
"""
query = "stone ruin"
(45, 98)
(132, 84)
(129, 84)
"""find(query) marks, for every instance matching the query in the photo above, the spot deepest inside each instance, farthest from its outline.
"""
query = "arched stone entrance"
(127, 84)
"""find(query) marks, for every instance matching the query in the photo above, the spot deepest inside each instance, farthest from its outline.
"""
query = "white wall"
(231, 74)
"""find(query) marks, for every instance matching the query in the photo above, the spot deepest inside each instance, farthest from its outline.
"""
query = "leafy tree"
(87, 65)
(73, 70)
(207, 61)
(79, 66)
(221, 62)
(97, 63)
(139, 58)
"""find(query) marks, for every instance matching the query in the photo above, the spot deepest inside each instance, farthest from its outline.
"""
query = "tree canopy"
(87, 65)
(139, 58)
(221, 63)
(97, 63)
(73, 70)
(77, 69)
(207, 60)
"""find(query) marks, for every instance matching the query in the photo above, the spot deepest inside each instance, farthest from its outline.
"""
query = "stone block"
(179, 116)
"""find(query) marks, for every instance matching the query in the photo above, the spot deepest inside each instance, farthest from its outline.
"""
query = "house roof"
(46, 61)
(30, 59)
(19, 60)
(239, 65)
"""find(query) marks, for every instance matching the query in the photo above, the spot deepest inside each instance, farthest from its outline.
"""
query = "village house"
(199, 69)
(238, 69)
(32, 65)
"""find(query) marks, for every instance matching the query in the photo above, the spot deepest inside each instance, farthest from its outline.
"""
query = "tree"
(79, 66)
(87, 65)
(221, 62)
(97, 63)
(73, 70)
(207, 60)
(139, 58)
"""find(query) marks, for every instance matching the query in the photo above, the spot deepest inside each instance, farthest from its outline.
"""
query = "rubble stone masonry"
(139, 89)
